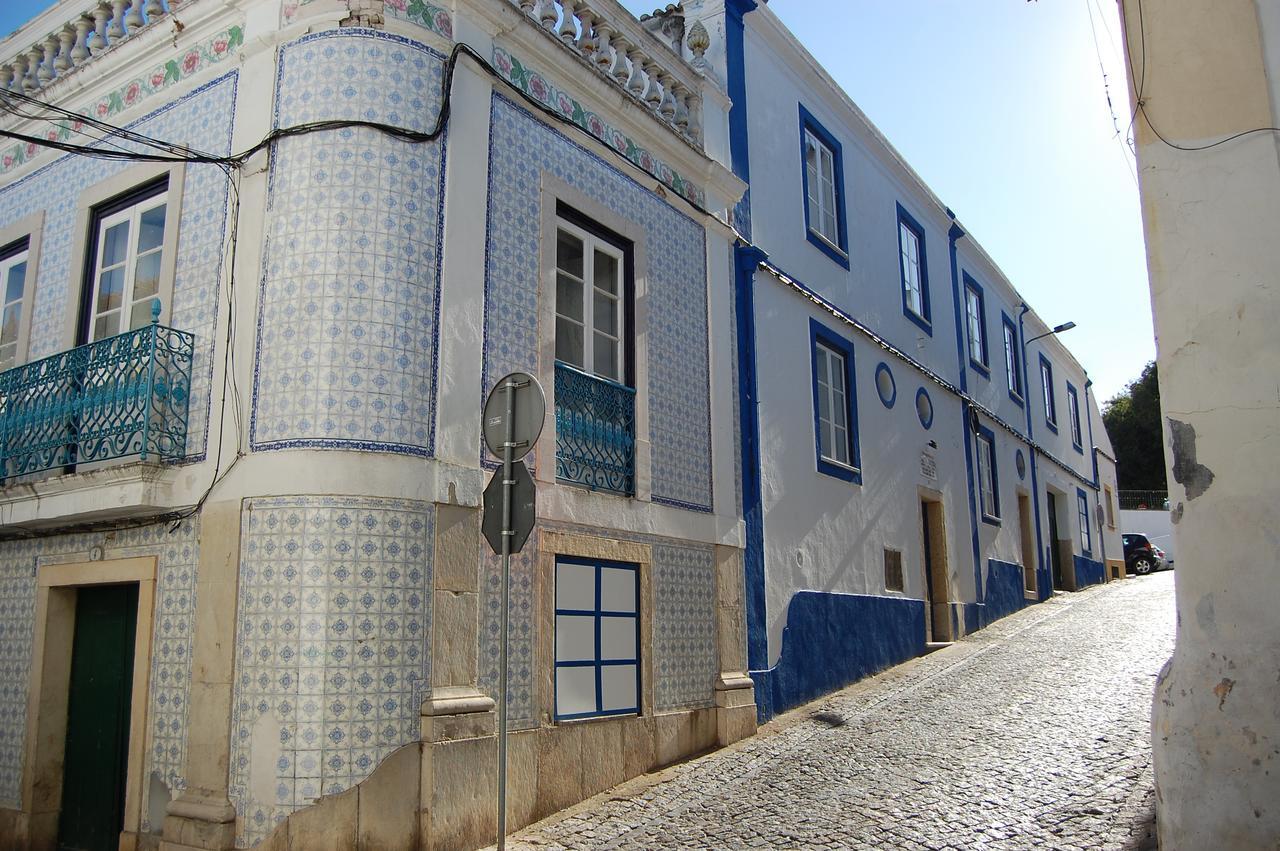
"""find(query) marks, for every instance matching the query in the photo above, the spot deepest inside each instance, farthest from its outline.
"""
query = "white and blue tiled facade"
(332, 647)
(348, 316)
(685, 657)
(521, 150)
(176, 549)
(200, 119)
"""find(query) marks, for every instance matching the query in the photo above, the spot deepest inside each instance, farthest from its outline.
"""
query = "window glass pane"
(9, 328)
(617, 590)
(569, 342)
(110, 290)
(151, 229)
(618, 638)
(140, 315)
(569, 254)
(605, 357)
(575, 638)
(575, 690)
(8, 356)
(146, 277)
(107, 325)
(575, 586)
(568, 297)
(824, 438)
(840, 444)
(605, 314)
(17, 278)
(606, 272)
(829, 224)
(618, 687)
(115, 244)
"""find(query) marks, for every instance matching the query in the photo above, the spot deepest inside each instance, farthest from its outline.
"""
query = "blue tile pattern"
(200, 119)
(521, 712)
(521, 149)
(685, 658)
(332, 646)
(348, 311)
(176, 552)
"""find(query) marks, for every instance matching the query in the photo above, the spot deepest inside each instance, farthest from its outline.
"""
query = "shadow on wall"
(832, 640)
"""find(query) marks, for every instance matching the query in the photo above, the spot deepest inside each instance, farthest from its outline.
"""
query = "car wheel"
(1142, 565)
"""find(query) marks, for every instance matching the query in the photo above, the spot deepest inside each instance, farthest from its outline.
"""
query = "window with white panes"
(987, 474)
(833, 404)
(1012, 363)
(977, 326)
(128, 255)
(909, 246)
(590, 303)
(13, 279)
(1086, 534)
(1046, 384)
(1073, 416)
(597, 638)
(820, 178)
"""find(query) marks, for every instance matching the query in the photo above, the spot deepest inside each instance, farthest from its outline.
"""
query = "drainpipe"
(954, 233)
(1042, 568)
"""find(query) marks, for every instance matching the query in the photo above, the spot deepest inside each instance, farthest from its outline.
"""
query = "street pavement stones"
(1031, 733)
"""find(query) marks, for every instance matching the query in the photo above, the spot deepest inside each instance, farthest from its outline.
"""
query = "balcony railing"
(121, 397)
(595, 431)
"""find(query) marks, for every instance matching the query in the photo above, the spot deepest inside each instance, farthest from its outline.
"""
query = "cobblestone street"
(1032, 733)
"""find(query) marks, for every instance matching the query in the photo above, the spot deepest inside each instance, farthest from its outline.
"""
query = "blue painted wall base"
(832, 640)
(1089, 572)
(1004, 590)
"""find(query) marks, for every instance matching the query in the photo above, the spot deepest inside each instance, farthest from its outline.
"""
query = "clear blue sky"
(999, 105)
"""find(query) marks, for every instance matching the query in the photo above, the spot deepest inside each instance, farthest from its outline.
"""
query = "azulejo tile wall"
(521, 712)
(201, 119)
(332, 654)
(348, 313)
(685, 658)
(521, 149)
(176, 549)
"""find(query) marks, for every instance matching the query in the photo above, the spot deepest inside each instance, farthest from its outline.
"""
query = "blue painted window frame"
(1050, 398)
(1086, 531)
(597, 663)
(982, 367)
(987, 436)
(1073, 414)
(840, 252)
(819, 333)
(1013, 358)
(924, 319)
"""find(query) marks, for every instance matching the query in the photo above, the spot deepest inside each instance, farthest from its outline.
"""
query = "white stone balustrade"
(95, 28)
(610, 38)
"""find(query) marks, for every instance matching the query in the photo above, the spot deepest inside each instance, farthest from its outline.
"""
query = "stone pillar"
(458, 752)
(202, 816)
(1210, 214)
(735, 691)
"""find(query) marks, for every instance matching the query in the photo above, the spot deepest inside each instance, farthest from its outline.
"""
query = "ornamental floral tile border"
(424, 14)
(535, 85)
(163, 76)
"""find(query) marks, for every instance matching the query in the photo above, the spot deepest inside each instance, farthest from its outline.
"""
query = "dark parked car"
(1140, 555)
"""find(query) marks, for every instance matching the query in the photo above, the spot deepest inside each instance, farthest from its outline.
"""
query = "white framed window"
(1073, 415)
(820, 174)
(1046, 384)
(976, 325)
(597, 638)
(591, 303)
(1012, 362)
(129, 262)
(1111, 507)
(912, 292)
(13, 291)
(1086, 535)
(833, 405)
(987, 482)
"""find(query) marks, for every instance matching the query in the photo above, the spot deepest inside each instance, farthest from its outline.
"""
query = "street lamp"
(1057, 329)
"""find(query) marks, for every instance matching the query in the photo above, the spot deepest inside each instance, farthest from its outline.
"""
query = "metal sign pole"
(508, 481)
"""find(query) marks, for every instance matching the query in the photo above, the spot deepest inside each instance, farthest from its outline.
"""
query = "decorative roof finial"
(699, 40)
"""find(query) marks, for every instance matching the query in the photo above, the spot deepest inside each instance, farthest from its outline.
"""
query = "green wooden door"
(93, 781)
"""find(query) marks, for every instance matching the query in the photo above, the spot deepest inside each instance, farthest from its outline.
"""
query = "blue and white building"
(917, 444)
(262, 260)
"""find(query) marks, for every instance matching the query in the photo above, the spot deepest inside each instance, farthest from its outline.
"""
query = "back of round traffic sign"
(529, 411)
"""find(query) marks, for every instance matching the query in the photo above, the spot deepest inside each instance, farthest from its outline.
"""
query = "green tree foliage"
(1132, 419)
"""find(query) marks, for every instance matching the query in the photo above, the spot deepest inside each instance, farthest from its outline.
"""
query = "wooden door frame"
(1027, 545)
(49, 687)
(939, 562)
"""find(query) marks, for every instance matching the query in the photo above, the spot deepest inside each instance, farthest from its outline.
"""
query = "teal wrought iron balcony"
(595, 431)
(125, 396)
